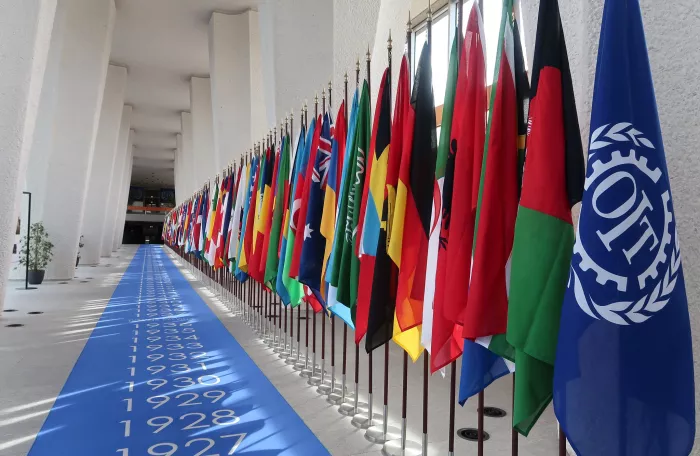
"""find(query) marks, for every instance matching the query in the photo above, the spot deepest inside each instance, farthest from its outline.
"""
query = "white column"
(118, 233)
(206, 163)
(102, 172)
(84, 64)
(26, 36)
(117, 181)
(189, 173)
(230, 72)
(38, 165)
(180, 193)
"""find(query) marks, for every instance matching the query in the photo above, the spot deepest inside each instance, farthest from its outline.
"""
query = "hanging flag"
(235, 223)
(442, 187)
(486, 312)
(281, 287)
(303, 190)
(292, 285)
(264, 216)
(544, 233)
(373, 205)
(249, 216)
(623, 376)
(224, 231)
(239, 225)
(416, 180)
(314, 244)
(342, 310)
(211, 219)
(346, 269)
(330, 201)
(380, 323)
(205, 220)
(454, 259)
(281, 207)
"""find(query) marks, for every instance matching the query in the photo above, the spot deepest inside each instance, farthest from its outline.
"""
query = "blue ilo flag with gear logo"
(623, 383)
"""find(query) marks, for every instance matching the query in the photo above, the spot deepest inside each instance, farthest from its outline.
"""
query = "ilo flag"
(623, 379)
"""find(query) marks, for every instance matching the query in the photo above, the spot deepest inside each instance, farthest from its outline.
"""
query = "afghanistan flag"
(263, 201)
(281, 206)
(544, 232)
(347, 267)
(416, 189)
(623, 380)
(486, 314)
(267, 227)
(454, 262)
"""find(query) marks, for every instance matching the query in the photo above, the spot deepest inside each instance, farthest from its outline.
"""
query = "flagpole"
(402, 446)
(367, 420)
(335, 398)
(323, 385)
(347, 409)
(330, 106)
(299, 365)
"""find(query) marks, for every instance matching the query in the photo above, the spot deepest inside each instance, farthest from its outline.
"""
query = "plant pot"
(36, 277)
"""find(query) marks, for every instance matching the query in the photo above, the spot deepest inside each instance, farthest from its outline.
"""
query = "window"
(442, 41)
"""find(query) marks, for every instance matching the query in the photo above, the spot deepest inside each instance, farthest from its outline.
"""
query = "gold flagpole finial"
(369, 56)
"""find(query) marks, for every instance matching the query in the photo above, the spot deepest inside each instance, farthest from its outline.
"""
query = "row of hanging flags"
(462, 247)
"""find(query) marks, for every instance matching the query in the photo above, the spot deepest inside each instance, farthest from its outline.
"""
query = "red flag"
(454, 263)
(367, 261)
(418, 177)
(299, 239)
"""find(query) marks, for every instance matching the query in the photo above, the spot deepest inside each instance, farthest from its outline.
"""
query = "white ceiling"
(163, 43)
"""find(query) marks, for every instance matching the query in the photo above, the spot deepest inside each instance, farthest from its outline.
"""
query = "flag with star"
(314, 243)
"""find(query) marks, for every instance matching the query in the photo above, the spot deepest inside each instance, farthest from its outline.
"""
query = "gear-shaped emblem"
(627, 229)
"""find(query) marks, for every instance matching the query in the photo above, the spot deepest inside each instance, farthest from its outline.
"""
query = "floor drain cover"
(83, 281)
(14, 325)
(494, 412)
(471, 434)
(62, 283)
(88, 278)
(10, 310)
(35, 313)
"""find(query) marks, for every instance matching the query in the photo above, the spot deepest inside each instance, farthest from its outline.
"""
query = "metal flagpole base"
(375, 434)
(348, 408)
(286, 353)
(393, 448)
(308, 372)
(291, 359)
(362, 421)
(300, 365)
(324, 389)
(336, 397)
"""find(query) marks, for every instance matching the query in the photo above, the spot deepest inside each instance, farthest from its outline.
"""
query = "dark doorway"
(143, 233)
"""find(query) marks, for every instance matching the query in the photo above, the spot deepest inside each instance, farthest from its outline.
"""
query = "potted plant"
(40, 252)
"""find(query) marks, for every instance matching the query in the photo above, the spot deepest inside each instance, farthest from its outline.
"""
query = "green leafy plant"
(40, 248)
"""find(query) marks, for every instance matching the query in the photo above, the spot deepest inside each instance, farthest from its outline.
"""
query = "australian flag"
(313, 248)
(623, 383)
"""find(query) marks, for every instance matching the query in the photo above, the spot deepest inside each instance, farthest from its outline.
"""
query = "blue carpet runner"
(161, 375)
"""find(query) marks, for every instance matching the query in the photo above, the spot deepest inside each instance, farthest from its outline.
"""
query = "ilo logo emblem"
(626, 257)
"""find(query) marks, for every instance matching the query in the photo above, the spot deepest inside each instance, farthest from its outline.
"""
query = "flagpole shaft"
(562, 442)
(404, 399)
(313, 344)
(453, 387)
(480, 424)
(333, 353)
(386, 388)
(513, 432)
(426, 362)
(357, 373)
(306, 360)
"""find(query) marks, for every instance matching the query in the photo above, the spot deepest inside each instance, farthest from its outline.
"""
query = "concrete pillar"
(117, 183)
(102, 172)
(26, 36)
(38, 165)
(258, 108)
(84, 64)
(206, 161)
(230, 72)
(118, 233)
(189, 178)
(180, 193)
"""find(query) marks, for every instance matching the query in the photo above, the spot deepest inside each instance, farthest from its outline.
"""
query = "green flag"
(280, 208)
(347, 267)
(544, 232)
